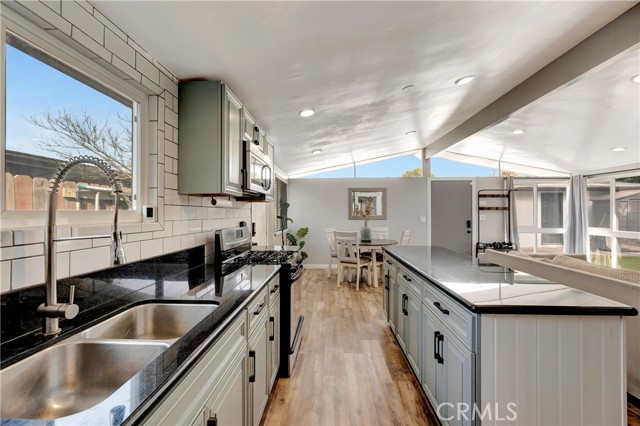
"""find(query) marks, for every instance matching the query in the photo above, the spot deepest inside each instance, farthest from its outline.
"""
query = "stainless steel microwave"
(258, 170)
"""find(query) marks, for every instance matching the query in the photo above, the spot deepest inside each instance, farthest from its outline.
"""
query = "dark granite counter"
(498, 290)
(182, 277)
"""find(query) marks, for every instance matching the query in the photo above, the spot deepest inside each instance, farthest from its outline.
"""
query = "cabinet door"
(228, 401)
(393, 297)
(258, 369)
(401, 310)
(261, 138)
(385, 294)
(413, 338)
(232, 145)
(248, 125)
(274, 337)
(458, 371)
(431, 329)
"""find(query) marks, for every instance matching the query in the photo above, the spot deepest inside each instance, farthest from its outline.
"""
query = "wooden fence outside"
(27, 193)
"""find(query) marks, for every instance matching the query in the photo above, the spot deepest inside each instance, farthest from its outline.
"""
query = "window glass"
(527, 242)
(280, 205)
(550, 243)
(53, 113)
(598, 204)
(628, 203)
(600, 247)
(628, 253)
(551, 205)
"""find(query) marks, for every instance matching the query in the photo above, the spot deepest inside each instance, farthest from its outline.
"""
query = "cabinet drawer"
(274, 286)
(456, 318)
(390, 264)
(411, 280)
(258, 306)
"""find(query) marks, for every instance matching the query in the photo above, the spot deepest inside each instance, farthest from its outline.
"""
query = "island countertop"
(499, 290)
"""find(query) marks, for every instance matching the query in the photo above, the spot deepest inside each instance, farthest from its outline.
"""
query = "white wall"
(183, 221)
(322, 203)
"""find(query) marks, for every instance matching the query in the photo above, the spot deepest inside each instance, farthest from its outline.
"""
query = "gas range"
(267, 257)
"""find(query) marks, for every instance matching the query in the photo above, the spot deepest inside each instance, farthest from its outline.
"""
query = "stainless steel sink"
(71, 377)
(153, 321)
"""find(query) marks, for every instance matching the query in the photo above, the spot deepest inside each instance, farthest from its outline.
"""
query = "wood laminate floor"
(350, 369)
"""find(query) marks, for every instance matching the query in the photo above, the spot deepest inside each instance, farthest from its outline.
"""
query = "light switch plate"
(148, 213)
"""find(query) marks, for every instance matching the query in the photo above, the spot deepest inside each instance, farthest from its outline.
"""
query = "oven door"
(257, 171)
(296, 316)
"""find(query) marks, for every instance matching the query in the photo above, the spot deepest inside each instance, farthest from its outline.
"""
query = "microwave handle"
(266, 177)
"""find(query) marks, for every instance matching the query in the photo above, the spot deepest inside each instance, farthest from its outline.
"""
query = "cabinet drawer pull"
(272, 320)
(406, 278)
(389, 262)
(405, 298)
(260, 308)
(439, 306)
(436, 335)
(252, 377)
(212, 420)
(440, 348)
(275, 288)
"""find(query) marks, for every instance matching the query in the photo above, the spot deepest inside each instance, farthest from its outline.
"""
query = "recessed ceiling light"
(307, 113)
(518, 132)
(411, 86)
(411, 132)
(636, 78)
(464, 80)
(316, 151)
(619, 149)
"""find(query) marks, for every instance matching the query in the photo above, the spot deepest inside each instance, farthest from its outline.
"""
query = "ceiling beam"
(597, 51)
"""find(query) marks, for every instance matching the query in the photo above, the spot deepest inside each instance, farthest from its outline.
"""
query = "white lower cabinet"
(190, 401)
(274, 338)
(408, 324)
(259, 368)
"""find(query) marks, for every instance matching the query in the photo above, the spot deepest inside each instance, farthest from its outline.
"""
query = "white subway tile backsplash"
(195, 201)
(145, 67)
(131, 251)
(175, 135)
(209, 225)
(84, 261)
(195, 226)
(171, 244)
(15, 252)
(188, 212)
(126, 68)
(101, 242)
(51, 16)
(152, 111)
(170, 149)
(130, 238)
(73, 245)
(110, 25)
(166, 232)
(152, 171)
(5, 276)
(62, 265)
(151, 227)
(83, 20)
(150, 85)
(119, 47)
(168, 84)
(54, 5)
(171, 180)
(130, 228)
(201, 213)
(161, 177)
(171, 117)
(172, 212)
(91, 230)
(97, 50)
(201, 238)
(151, 248)
(27, 272)
(187, 241)
(6, 237)
(168, 165)
(28, 236)
(183, 199)
(161, 114)
(85, 5)
(180, 227)
(140, 50)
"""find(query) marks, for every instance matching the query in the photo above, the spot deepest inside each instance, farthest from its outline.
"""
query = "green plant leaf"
(301, 244)
(302, 232)
(304, 255)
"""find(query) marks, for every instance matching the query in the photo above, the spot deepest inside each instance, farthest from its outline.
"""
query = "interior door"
(451, 214)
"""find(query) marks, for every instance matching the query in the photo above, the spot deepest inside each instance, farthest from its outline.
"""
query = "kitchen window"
(540, 210)
(57, 105)
(613, 217)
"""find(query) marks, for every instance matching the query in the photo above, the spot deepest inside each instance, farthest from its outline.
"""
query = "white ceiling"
(574, 128)
(350, 60)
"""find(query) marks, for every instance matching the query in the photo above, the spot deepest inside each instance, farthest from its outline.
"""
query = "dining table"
(373, 246)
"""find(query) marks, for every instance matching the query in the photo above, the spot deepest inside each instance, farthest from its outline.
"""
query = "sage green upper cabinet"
(248, 126)
(210, 148)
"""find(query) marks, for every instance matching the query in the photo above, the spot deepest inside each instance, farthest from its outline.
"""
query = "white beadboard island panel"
(559, 370)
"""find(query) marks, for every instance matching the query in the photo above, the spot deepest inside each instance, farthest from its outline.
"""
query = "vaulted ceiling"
(349, 61)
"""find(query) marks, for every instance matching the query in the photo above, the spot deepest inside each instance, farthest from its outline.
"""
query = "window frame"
(16, 24)
(277, 225)
(536, 228)
(612, 231)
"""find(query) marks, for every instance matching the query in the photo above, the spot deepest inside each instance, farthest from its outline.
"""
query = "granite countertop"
(181, 277)
(499, 290)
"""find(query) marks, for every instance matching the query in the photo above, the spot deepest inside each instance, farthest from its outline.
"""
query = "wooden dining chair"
(333, 254)
(348, 250)
(405, 237)
(377, 233)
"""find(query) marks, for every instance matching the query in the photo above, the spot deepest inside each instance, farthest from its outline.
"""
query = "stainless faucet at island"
(51, 309)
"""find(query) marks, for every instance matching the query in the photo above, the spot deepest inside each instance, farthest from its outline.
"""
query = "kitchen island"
(178, 278)
(494, 346)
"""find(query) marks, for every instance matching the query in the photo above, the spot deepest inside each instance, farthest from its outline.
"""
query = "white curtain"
(513, 224)
(576, 232)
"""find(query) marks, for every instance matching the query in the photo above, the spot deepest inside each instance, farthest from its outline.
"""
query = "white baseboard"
(319, 266)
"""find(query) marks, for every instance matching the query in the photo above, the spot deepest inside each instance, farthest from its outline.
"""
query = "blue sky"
(34, 88)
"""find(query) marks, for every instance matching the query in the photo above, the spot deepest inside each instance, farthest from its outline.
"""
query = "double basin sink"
(85, 369)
